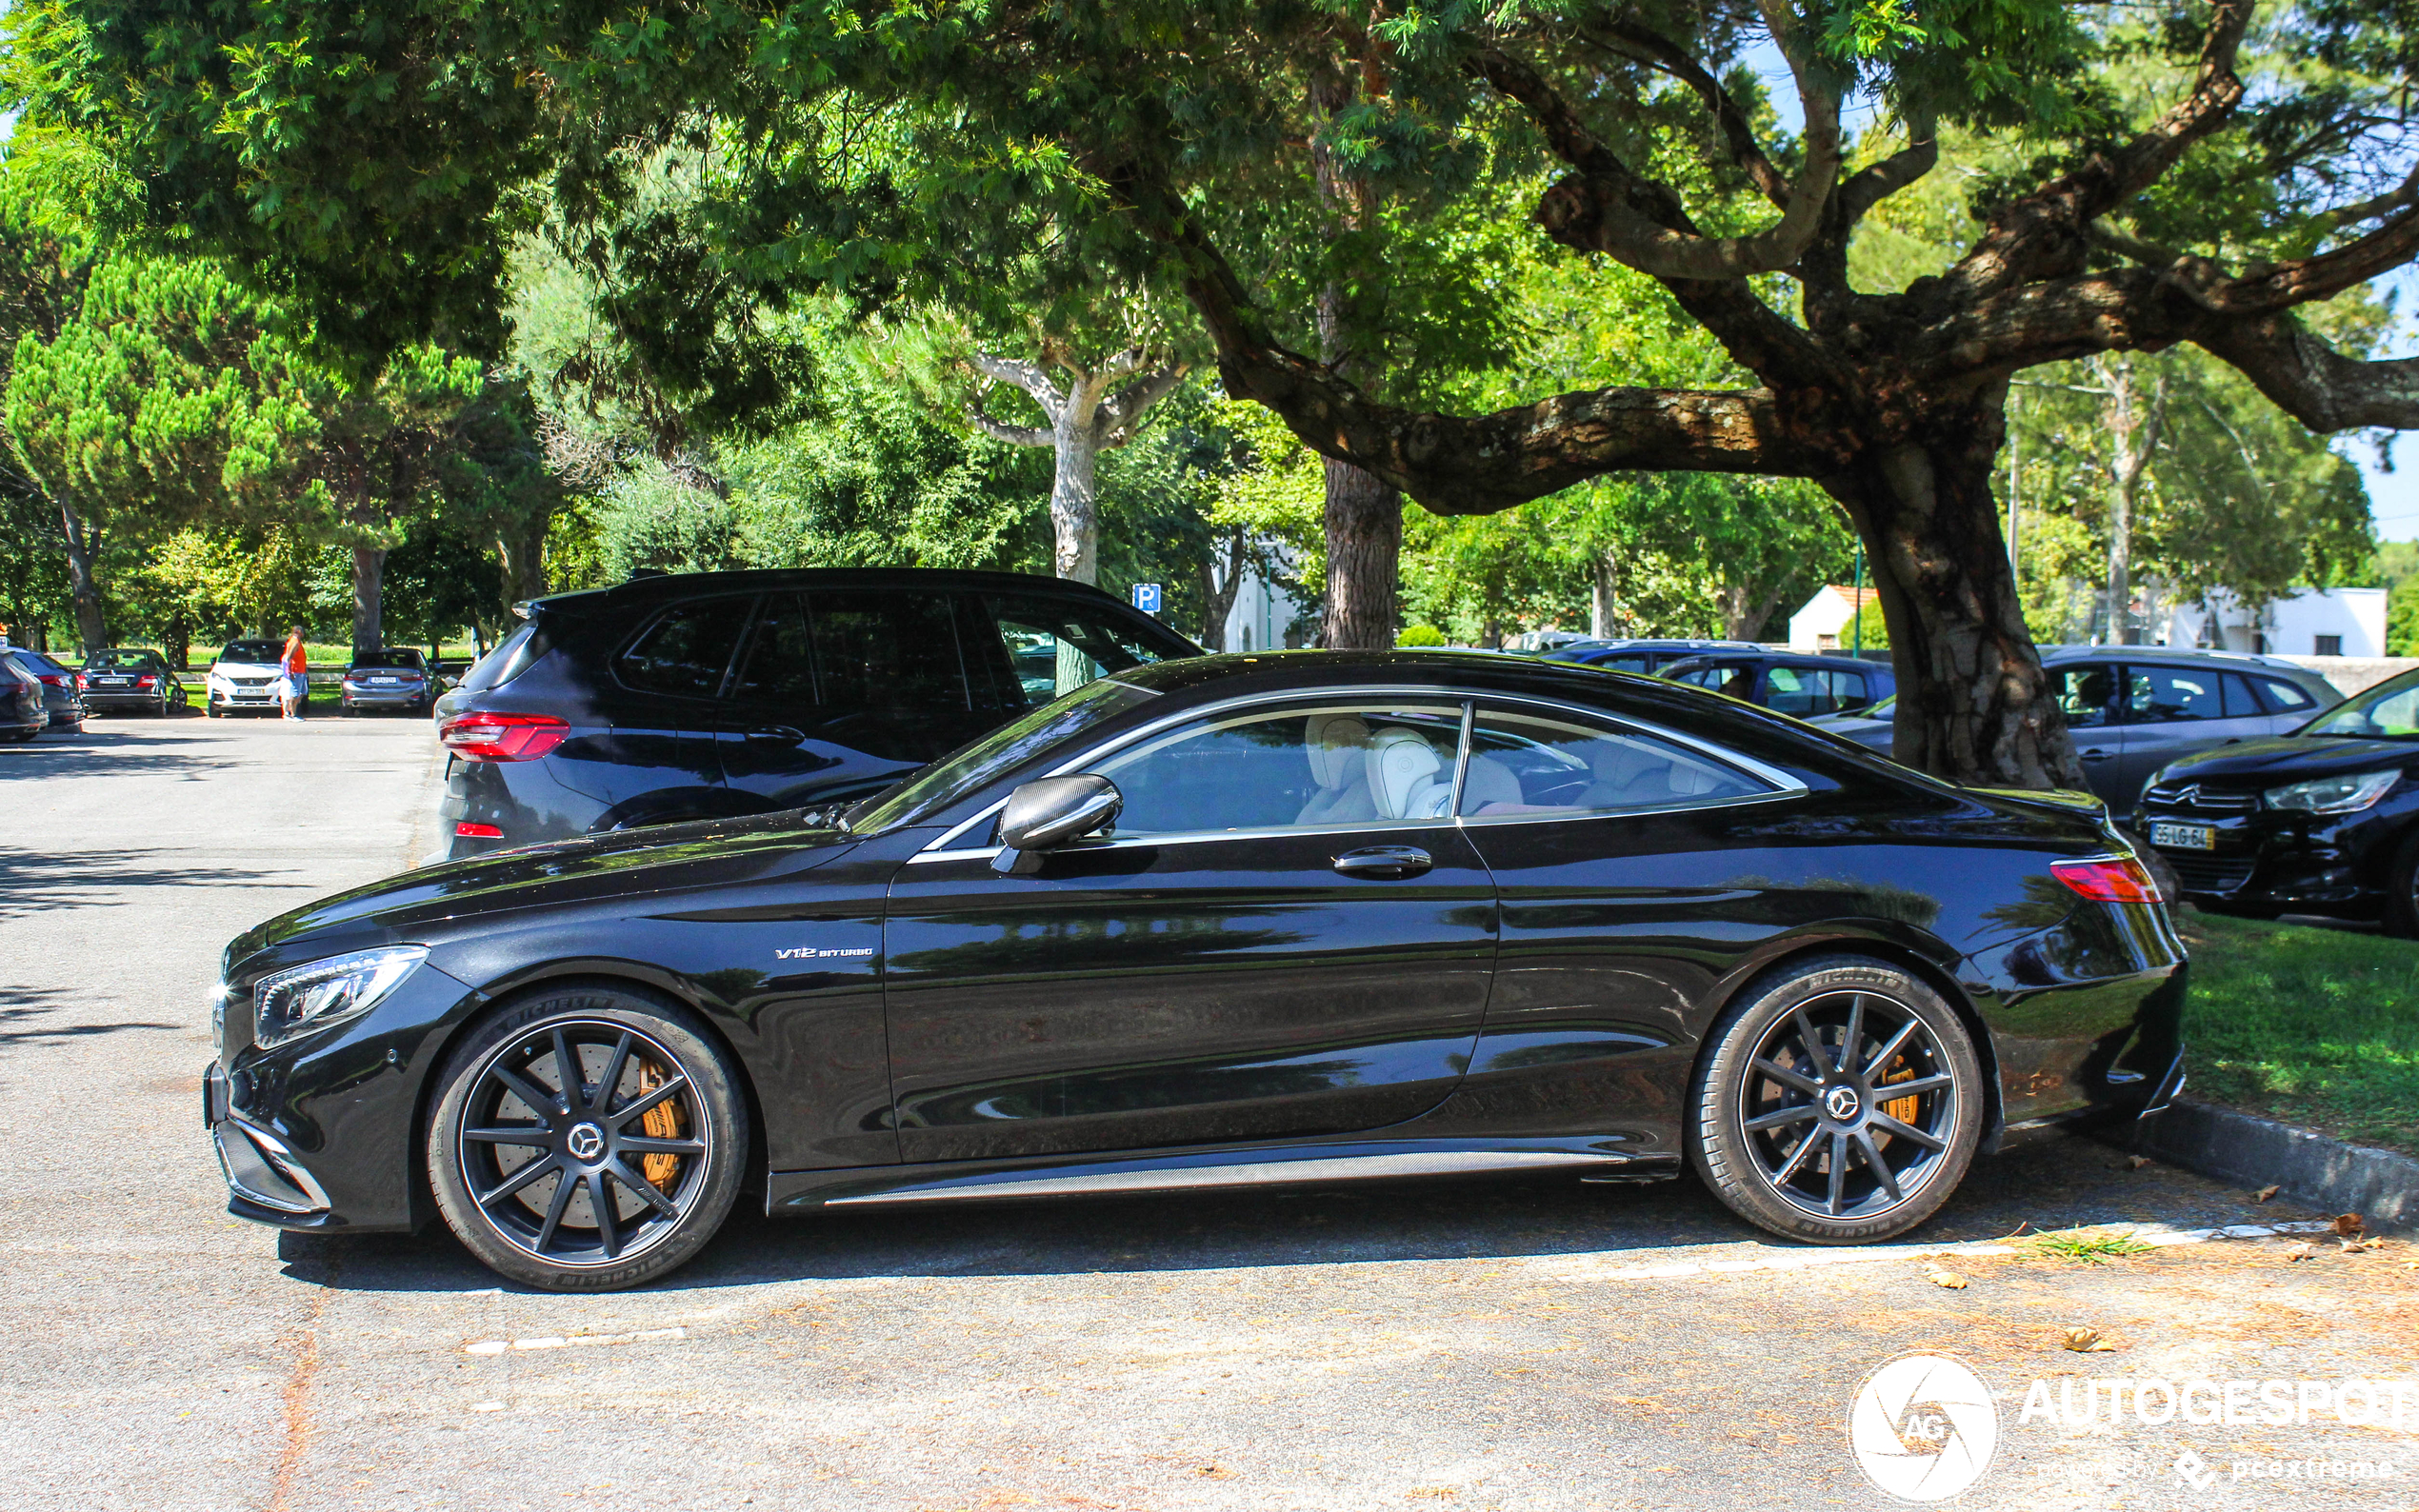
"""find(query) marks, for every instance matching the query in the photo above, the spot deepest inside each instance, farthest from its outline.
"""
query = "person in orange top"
(297, 666)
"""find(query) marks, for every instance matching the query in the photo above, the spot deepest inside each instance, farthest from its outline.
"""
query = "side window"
(1522, 763)
(1306, 768)
(875, 650)
(1056, 647)
(2283, 696)
(779, 668)
(2241, 703)
(1723, 677)
(686, 652)
(2083, 694)
(1805, 692)
(2168, 695)
(1634, 662)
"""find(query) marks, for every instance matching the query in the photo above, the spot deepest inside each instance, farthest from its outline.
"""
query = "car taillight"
(503, 737)
(53, 679)
(80, 683)
(2122, 880)
(467, 830)
(146, 682)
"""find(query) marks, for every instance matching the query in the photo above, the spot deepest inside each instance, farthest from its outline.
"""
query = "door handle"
(2097, 755)
(774, 735)
(1385, 863)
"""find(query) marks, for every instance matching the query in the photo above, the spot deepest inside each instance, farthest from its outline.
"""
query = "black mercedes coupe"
(1301, 917)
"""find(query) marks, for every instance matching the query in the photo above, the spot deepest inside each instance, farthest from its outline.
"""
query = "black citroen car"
(2323, 821)
(1300, 916)
(714, 694)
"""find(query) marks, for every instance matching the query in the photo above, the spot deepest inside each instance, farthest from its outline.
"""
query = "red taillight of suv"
(2122, 880)
(503, 737)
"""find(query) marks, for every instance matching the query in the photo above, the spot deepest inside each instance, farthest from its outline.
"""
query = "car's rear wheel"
(2402, 889)
(1841, 1103)
(586, 1139)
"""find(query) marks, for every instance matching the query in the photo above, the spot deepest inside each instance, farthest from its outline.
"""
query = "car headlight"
(310, 997)
(2333, 795)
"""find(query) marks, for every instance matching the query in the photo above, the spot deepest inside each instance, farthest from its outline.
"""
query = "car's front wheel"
(1840, 1102)
(586, 1139)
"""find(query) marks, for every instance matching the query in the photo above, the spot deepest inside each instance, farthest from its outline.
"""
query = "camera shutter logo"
(1922, 1428)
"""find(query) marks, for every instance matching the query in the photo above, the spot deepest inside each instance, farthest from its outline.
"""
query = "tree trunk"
(1600, 607)
(1074, 501)
(369, 584)
(84, 585)
(1363, 557)
(522, 548)
(1217, 599)
(1973, 704)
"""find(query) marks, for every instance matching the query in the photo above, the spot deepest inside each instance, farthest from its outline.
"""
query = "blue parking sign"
(1147, 597)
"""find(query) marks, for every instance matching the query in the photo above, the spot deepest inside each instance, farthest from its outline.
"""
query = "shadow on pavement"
(2064, 1182)
(33, 880)
(20, 1007)
(97, 753)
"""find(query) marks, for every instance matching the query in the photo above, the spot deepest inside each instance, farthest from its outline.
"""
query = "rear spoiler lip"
(2064, 802)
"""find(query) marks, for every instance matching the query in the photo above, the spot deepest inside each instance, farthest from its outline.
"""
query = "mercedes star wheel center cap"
(1840, 1101)
(586, 1141)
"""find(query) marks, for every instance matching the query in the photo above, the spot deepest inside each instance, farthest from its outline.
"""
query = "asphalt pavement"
(1533, 1344)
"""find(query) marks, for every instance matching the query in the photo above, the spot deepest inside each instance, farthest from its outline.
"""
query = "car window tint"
(1724, 677)
(883, 649)
(1523, 764)
(686, 652)
(2241, 703)
(2168, 695)
(2283, 696)
(2083, 694)
(780, 663)
(1805, 691)
(1625, 663)
(1318, 768)
(1056, 646)
(256, 653)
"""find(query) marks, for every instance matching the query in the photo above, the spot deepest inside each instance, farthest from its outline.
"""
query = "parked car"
(62, 706)
(708, 695)
(394, 678)
(1787, 683)
(2134, 708)
(130, 677)
(2323, 819)
(23, 713)
(245, 676)
(1647, 657)
(1223, 922)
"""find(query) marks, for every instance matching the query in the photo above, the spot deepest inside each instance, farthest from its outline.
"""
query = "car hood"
(2291, 758)
(435, 901)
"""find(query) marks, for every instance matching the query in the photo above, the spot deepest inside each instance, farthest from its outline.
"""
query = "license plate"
(2184, 837)
(382, 680)
(111, 681)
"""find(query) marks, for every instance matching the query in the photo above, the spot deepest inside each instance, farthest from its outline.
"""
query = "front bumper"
(321, 1132)
(2287, 863)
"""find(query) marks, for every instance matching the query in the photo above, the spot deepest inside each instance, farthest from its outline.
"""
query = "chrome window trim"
(1784, 784)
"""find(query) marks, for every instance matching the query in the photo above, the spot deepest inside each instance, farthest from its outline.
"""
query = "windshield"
(2390, 710)
(257, 653)
(101, 661)
(934, 787)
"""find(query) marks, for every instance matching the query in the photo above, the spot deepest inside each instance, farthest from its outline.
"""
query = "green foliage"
(1417, 635)
(1869, 631)
(2402, 618)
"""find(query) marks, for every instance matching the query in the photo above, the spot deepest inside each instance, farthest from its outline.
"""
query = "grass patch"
(2087, 1246)
(2316, 1027)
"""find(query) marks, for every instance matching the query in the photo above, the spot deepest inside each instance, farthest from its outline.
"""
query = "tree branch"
(2309, 380)
(1025, 375)
(1644, 228)
(1632, 40)
(1122, 411)
(1000, 429)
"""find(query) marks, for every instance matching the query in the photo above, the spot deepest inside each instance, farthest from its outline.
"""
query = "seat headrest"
(1403, 767)
(1620, 763)
(1335, 743)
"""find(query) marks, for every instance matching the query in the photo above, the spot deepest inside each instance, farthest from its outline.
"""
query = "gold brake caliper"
(661, 1122)
(1903, 1108)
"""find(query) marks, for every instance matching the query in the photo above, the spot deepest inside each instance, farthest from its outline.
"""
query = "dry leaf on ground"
(1940, 1276)
(2349, 1225)
(2134, 1163)
(2088, 1342)
(2265, 1192)
(2305, 1251)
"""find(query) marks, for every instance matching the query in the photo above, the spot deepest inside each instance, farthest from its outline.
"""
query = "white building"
(2339, 622)
(1827, 621)
(1261, 612)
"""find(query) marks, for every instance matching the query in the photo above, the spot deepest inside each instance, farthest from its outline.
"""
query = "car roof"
(657, 588)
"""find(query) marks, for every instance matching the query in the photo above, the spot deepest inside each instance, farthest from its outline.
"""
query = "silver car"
(2134, 708)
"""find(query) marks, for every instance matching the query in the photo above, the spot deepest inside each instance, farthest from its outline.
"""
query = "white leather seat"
(1404, 776)
(1336, 744)
(1628, 774)
(1489, 780)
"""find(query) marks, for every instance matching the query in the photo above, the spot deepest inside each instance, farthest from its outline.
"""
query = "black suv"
(713, 694)
(1802, 685)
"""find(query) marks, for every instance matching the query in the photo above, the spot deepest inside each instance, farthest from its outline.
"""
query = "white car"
(246, 675)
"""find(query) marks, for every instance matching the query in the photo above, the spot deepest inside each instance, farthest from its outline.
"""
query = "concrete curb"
(2311, 1170)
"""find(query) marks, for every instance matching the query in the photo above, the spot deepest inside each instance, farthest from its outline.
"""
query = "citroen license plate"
(2184, 837)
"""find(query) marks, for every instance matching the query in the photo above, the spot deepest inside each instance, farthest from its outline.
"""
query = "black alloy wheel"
(586, 1140)
(1841, 1103)
(2402, 889)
